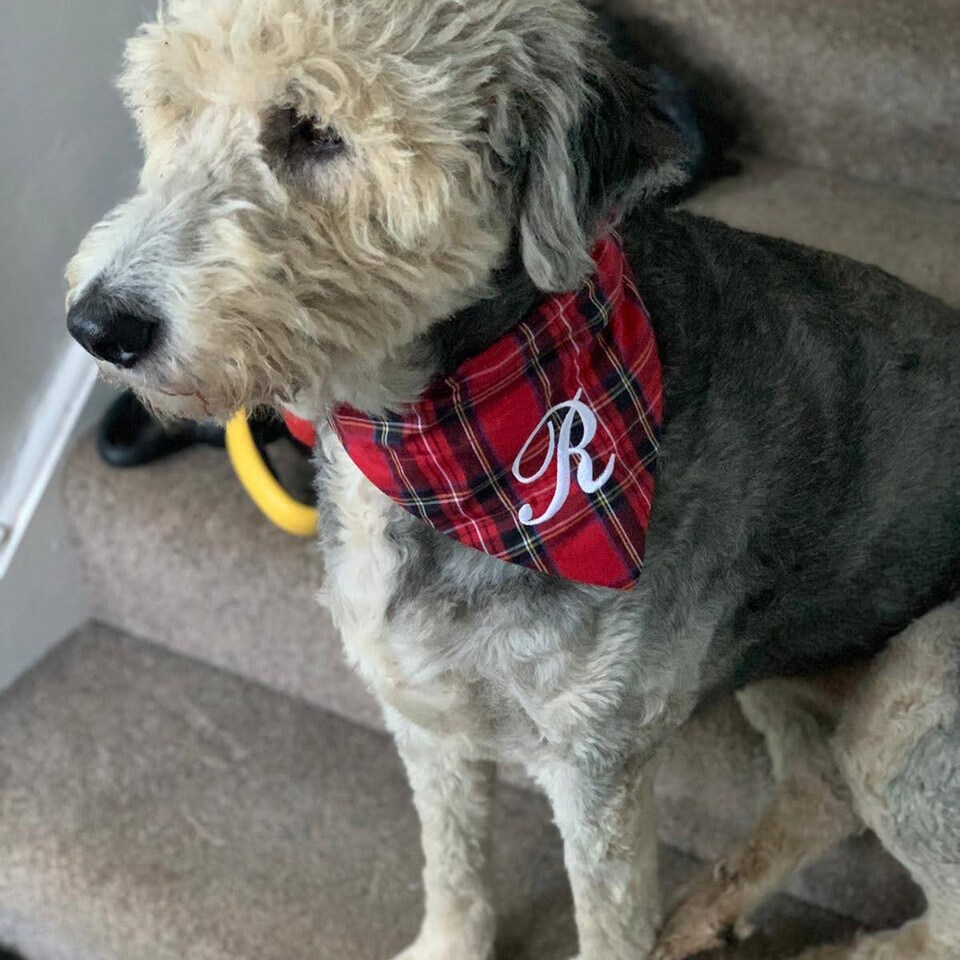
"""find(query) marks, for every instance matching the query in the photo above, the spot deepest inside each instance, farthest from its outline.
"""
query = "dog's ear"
(595, 145)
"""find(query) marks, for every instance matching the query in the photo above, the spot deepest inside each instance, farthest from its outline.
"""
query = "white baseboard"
(46, 438)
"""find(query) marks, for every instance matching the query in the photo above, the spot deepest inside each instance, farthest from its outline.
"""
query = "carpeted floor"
(867, 87)
(155, 808)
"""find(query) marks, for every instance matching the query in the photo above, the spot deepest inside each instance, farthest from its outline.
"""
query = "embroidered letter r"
(565, 452)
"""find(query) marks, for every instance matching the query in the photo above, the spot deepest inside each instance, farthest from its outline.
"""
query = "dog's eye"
(295, 140)
(308, 134)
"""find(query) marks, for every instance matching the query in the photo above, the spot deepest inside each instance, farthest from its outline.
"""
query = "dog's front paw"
(420, 951)
(415, 952)
(411, 953)
(434, 949)
(709, 916)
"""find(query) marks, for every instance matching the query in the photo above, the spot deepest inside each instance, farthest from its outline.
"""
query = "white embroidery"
(565, 453)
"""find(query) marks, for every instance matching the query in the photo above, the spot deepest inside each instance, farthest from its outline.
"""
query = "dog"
(343, 204)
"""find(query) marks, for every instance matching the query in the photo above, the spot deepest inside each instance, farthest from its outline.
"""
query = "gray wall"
(43, 597)
(67, 153)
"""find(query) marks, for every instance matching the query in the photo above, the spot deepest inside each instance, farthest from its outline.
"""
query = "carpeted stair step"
(911, 235)
(178, 555)
(870, 88)
(155, 808)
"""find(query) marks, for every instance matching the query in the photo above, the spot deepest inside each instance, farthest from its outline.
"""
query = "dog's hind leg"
(810, 811)
(898, 746)
(453, 795)
(607, 816)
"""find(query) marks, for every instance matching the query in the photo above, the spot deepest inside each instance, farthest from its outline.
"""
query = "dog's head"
(326, 179)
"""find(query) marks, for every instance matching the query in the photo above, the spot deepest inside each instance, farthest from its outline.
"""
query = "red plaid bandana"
(541, 450)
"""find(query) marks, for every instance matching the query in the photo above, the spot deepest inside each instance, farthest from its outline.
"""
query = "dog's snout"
(118, 332)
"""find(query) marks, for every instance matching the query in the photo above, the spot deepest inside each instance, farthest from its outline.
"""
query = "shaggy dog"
(343, 201)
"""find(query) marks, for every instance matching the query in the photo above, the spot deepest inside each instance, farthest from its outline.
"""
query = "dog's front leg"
(607, 817)
(453, 796)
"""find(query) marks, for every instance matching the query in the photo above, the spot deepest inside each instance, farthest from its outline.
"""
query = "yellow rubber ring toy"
(274, 502)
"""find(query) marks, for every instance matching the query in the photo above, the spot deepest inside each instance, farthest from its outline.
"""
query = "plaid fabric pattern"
(541, 450)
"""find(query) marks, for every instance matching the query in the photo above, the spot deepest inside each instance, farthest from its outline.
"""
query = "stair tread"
(178, 554)
(155, 808)
(866, 87)
(911, 235)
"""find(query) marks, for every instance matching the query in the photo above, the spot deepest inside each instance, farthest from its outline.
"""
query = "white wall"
(68, 152)
(42, 595)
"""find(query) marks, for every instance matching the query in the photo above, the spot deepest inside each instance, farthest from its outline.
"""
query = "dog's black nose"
(119, 333)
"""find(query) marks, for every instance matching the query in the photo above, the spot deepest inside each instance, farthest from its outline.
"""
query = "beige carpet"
(870, 88)
(153, 808)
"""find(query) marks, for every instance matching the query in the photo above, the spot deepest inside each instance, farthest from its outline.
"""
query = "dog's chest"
(463, 644)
